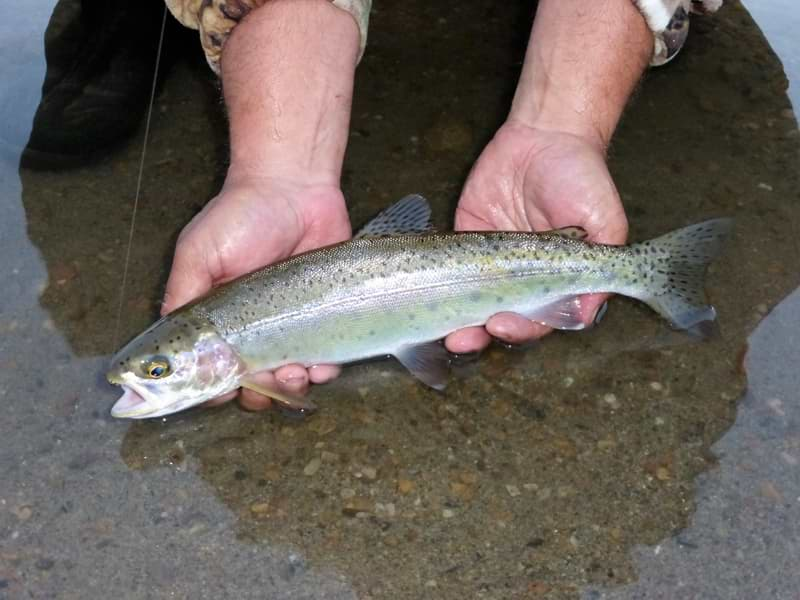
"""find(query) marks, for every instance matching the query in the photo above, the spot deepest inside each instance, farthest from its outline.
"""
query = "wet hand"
(530, 179)
(251, 223)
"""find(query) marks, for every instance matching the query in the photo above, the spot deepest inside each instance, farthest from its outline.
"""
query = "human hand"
(251, 223)
(537, 179)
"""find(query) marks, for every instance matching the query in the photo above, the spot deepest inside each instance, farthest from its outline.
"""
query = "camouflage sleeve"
(215, 19)
(669, 21)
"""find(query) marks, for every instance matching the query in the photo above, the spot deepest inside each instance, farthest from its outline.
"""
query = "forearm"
(583, 62)
(287, 75)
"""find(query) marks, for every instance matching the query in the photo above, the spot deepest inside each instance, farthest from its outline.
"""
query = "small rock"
(606, 444)
(259, 508)
(322, 425)
(369, 473)
(44, 564)
(312, 467)
(662, 474)
(656, 386)
(500, 408)
(513, 491)
(765, 186)
(329, 457)
(347, 493)
(468, 477)
(23, 513)
(405, 486)
(462, 491)
(448, 513)
(611, 400)
(358, 506)
(272, 473)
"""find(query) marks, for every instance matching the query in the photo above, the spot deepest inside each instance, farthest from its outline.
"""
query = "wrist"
(582, 63)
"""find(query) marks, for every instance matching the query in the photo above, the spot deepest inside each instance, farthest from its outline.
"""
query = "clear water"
(623, 462)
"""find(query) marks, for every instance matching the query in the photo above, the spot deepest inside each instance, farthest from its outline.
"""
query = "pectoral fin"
(563, 313)
(294, 404)
(430, 363)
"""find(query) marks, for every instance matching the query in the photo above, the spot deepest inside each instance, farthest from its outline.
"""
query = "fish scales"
(367, 297)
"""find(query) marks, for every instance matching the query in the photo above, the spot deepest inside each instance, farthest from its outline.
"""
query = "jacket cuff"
(669, 22)
(215, 19)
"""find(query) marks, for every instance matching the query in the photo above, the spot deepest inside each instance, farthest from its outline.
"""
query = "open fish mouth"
(131, 405)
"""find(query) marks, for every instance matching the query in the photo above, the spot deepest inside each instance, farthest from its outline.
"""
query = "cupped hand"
(532, 179)
(255, 221)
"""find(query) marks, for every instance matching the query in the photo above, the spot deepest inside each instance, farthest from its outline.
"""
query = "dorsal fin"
(574, 233)
(409, 215)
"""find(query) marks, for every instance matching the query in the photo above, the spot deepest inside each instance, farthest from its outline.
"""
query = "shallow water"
(627, 461)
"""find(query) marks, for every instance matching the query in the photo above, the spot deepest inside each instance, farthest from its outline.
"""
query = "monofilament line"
(139, 183)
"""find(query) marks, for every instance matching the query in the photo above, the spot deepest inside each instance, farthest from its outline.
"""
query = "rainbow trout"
(396, 289)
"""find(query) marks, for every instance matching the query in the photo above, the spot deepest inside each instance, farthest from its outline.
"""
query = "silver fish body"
(397, 295)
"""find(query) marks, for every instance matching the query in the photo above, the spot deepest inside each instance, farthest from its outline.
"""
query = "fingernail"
(601, 312)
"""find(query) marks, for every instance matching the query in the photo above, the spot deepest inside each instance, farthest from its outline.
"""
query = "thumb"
(189, 278)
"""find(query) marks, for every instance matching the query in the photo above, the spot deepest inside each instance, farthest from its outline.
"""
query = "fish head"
(178, 362)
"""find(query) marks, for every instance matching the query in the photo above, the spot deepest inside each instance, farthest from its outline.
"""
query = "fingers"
(593, 308)
(465, 341)
(291, 380)
(515, 329)
(323, 373)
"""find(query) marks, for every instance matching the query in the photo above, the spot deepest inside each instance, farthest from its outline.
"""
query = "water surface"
(627, 461)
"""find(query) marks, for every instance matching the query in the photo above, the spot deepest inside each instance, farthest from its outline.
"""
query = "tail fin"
(677, 264)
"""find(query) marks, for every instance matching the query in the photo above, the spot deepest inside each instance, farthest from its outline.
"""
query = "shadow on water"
(538, 472)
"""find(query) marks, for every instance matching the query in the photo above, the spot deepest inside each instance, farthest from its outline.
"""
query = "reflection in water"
(536, 473)
(742, 540)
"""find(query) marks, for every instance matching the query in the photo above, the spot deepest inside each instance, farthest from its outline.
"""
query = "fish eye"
(156, 368)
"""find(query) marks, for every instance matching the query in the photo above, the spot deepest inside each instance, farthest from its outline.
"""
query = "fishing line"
(139, 183)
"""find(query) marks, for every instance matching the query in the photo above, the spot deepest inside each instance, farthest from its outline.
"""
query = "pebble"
(313, 466)
(369, 473)
(606, 444)
(23, 513)
(405, 486)
(468, 477)
(358, 506)
(513, 491)
(765, 186)
(322, 425)
(656, 386)
(568, 381)
(387, 510)
(462, 491)
(662, 474)
(611, 400)
(329, 457)
(347, 493)
(259, 508)
(448, 513)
